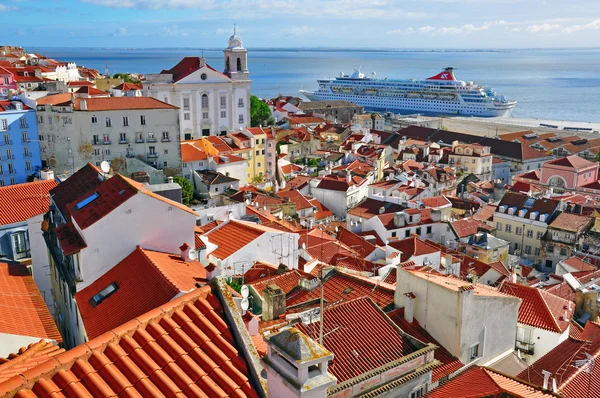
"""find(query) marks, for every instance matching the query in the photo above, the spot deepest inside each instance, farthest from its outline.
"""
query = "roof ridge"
(156, 266)
(541, 293)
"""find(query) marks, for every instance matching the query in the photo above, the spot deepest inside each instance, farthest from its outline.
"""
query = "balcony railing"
(129, 155)
(95, 142)
(151, 140)
(7, 142)
(27, 154)
(9, 157)
(123, 141)
(139, 140)
(165, 140)
(525, 346)
(106, 142)
(25, 140)
(152, 155)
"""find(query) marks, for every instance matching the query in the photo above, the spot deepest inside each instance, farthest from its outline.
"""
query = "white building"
(476, 324)
(340, 194)
(74, 131)
(210, 102)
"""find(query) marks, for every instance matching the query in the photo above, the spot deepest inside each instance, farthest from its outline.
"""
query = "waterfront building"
(210, 102)
(19, 149)
(336, 111)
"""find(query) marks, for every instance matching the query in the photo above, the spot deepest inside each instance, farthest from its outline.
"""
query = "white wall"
(141, 220)
(333, 200)
(11, 343)
(39, 260)
(237, 211)
(545, 341)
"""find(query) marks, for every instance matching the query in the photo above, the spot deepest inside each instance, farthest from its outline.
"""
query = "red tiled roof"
(468, 226)
(69, 238)
(85, 180)
(297, 198)
(482, 382)
(259, 271)
(435, 201)
(121, 103)
(449, 365)
(90, 91)
(128, 87)
(412, 246)
(322, 211)
(186, 67)
(191, 153)
(572, 161)
(485, 213)
(20, 202)
(79, 83)
(55, 99)
(269, 220)
(27, 358)
(183, 348)
(370, 208)
(23, 310)
(356, 242)
(539, 308)
(341, 286)
(578, 264)
(371, 233)
(575, 330)
(233, 235)
(286, 281)
(571, 222)
(358, 349)
(145, 280)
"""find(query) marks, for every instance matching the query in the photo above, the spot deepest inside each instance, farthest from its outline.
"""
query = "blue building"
(501, 170)
(19, 143)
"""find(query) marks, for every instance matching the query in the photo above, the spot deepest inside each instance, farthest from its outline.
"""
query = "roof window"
(103, 294)
(87, 200)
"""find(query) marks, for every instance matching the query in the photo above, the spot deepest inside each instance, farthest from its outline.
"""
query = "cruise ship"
(439, 94)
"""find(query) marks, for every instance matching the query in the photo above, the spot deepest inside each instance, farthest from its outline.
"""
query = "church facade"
(210, 102)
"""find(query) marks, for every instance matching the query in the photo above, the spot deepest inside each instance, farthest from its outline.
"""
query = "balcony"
(151, 140)
(123, 142)
(25, 140)
(139, 140)
(25, 126)
(95, 142)
(129, 155)
(525, 347)
(106, 142)
(152, 155)
(64, 264)
(165, 140)
(8, 157)
(6, 142)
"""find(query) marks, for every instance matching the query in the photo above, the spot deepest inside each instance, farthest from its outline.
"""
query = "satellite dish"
(245, 291)
(245, 304)
(192, 254)
(105, 166)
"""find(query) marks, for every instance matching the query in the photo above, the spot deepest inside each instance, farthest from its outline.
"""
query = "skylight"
(104, 294)
(87, 200)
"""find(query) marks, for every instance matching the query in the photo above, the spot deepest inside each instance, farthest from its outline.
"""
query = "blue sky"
(303, 23)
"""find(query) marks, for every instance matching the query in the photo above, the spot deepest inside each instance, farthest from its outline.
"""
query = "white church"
(210, 102)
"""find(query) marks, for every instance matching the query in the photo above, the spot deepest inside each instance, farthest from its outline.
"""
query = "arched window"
(204, 101)
(227, 67)
(239, 65)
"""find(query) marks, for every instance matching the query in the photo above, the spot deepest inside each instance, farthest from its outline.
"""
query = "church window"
(239, 65)
(204, 101)
(227, 64)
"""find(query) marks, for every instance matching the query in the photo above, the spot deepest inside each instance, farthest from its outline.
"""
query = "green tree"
(187, 189)
(126, 78)
(260, 113)
(313, 162)
(373, 117)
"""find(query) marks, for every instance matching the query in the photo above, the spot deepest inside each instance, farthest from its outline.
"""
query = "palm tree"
(373, 117)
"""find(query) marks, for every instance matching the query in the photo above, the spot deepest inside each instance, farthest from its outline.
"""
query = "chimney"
(513, 277)
(296, 366)
(349, 177)
(170, 180)
(546, 378)
(382, 210)
(202, 62)
(47, 174)
(273, 303)
(409, 306)
(186, 253)
(82, 105)
(399, 220)
(211, 271)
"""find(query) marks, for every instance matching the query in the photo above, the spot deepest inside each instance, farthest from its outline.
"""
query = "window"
(9, 154)
(165, 164)
(4, 124)
(223, 102)
(108, 122)
(259, 165)
(95, 139)
(474, 351)
(539, 235)
(186, 104)
(40, 119)
(166, 151)
(223, 114)
(6, 80)
(257, 153)
(152, 150)
(143, 120)
(241, 119)
(204, 115)
(499, 226)
(508, 228)
(123, 138)
(563, 251)
(87, 200)
(24, 136)
(263, 151)
(7, 139)
(239, 65)
(96, 152)
(20, 242)
(418, 392)
(106, 139)
(151, 137)
(26, 152)
(240, 103)
(257, 142)
(530, 233)
(125, 121)
(537, 251)
(263, 141)
(428, 230)
(107, 151)
(523, 335)
(28, 165)
(518, 230)
(23, 123)
(204, 101)
(2, 183)
(103, 294)
(165, 136)
(527, 249)
(407, 233)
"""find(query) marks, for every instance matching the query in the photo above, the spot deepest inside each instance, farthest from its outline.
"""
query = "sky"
(394, 24)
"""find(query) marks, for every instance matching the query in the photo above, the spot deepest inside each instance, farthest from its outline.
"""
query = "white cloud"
(545, 27)
(594, 25)
(5, 8)
(447, 30)
(120, 32)
(153, 4)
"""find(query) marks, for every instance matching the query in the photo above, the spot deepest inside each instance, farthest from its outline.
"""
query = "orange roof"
(145, 279)
(286, 281)
(457, 285)
(90, 91)
(256, 130)
(539, 308)
(413, 246)
(361, 337)
(322, 211)
(233, 235)
(182, 348)
(20, 202)
(24, 312)
(191, 153)
(27, 358)
(121, 103)
(578, 264)
(297, 198)
(79, 83)
(468, 226)
(56, 99)
(483, 382)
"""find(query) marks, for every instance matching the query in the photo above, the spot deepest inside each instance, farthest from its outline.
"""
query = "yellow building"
(485, 248)
(258, 161)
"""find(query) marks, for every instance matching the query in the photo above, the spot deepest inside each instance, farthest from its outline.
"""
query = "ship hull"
(422, 106)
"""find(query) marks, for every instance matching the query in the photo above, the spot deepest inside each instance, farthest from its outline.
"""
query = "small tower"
(297, 366)
(236, 58)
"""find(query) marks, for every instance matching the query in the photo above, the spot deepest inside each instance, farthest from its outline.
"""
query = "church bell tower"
(236, 59)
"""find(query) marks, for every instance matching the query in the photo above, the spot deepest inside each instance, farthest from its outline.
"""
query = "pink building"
(7, 83)
(569, 173)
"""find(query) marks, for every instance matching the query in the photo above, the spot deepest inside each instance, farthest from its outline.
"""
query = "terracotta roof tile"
(287, 281)
(297, 198)
(183, 348)
(354, 241)
(259, 271)
(83, 181)
(55, 99)
(358, 349)
(20, 202)
(146, 279)
(121, 103)
(572, 161)
(539, 308)
(69, 238)
(27, 358)
(233, 235)
(24, 312)
(578, 264)
(482, 382)
(369, 208)
(571, 222)
(449, 365)
(468, 226)
(413, 246)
